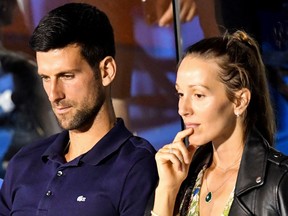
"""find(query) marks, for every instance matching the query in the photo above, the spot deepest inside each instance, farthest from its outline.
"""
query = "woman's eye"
(199, 96)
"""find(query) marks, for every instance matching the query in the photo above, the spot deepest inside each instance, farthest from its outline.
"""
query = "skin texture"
(208, 115)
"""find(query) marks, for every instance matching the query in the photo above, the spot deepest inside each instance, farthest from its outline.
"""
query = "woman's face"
(203, 103)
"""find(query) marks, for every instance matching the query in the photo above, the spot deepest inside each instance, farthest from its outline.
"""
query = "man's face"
(75, 94)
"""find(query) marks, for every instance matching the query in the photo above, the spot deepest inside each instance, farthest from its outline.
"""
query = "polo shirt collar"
(110, 143)
(56, 149)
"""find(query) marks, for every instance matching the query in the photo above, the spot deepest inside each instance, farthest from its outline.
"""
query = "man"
(95, 166)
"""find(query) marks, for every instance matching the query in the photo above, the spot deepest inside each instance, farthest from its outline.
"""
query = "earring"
(237, 114)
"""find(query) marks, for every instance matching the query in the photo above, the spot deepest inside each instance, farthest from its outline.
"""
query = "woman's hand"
(173, 161)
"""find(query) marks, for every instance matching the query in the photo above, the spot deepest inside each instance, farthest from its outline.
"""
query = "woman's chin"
(194, 141)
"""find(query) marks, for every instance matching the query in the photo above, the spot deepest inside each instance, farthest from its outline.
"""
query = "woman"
(229, 166)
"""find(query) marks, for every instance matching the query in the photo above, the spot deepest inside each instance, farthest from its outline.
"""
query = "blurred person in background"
(160, 12)
(25, 115)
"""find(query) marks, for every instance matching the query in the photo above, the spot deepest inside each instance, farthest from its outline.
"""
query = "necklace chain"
(229, 167)
(209, 195)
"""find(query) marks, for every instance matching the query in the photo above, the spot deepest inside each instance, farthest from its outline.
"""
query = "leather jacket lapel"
(238, 208)
(251, 174)
(253, 165)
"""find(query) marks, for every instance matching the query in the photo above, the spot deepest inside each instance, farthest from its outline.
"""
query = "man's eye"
(67, 76)
(44, 78)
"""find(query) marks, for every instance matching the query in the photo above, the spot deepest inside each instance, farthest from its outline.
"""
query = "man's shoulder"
(137, 153)
(28, 156)
(36, 148)
(142, 144)
(120, 134)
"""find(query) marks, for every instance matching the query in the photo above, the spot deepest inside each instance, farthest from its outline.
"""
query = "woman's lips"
(191, 125)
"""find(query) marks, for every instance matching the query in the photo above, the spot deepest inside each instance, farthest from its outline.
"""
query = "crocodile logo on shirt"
(81, 198)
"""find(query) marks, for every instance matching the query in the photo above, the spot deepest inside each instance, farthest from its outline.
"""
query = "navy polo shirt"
(116, 177)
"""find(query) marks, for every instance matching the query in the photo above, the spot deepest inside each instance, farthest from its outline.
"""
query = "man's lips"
(61, 110)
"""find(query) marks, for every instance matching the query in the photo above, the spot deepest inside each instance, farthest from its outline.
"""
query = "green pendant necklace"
(209, 195)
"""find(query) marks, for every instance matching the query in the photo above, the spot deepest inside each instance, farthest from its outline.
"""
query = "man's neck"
(81, 142)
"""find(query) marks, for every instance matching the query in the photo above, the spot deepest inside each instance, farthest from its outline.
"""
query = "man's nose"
(55, 91)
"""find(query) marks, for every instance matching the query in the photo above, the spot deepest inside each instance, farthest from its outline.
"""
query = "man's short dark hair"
(76, 23)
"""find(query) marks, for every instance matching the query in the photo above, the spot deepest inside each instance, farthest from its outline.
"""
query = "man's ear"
(108, 70)
(242, 101)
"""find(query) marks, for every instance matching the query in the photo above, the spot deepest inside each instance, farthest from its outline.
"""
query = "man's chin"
(64, 124)
(69, 125)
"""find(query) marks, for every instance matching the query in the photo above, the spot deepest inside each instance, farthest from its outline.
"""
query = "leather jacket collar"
(255, 157)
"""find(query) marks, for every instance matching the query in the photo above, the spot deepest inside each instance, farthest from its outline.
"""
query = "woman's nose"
(185, 107)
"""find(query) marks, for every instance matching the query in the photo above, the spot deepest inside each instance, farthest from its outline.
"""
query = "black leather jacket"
(262, 182)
